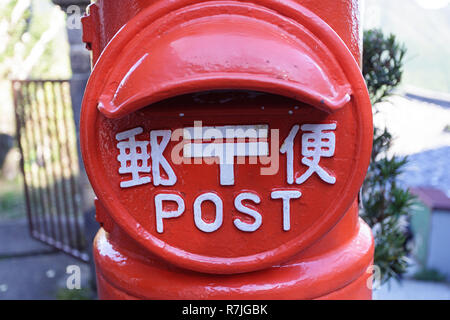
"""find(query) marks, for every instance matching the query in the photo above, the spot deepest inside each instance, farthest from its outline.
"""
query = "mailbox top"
(217, 46)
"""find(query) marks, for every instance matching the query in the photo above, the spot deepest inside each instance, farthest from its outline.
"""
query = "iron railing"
(47, 142)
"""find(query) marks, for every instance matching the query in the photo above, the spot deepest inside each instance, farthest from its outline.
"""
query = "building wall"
(439, 249)
(420, 225)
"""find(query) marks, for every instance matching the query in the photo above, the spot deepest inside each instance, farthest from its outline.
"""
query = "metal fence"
(47, 142)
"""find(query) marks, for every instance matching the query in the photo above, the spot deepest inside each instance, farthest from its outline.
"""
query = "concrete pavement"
(413, 290)
(30, 269)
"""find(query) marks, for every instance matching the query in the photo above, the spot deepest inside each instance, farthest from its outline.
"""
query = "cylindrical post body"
(336, 266)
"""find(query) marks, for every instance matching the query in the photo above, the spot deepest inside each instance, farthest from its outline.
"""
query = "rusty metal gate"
(47, 142)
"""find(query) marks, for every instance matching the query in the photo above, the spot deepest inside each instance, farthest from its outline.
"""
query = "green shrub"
(382, 64)
(75, 294)
(385, 205)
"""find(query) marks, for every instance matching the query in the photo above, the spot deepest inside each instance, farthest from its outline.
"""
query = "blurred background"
(46, 215)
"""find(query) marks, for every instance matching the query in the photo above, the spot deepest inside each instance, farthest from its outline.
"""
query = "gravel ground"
(421, 132)
(428, 168)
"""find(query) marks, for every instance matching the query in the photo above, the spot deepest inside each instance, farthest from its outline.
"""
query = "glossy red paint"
(334, 268)
(158, 71)
(342, 16)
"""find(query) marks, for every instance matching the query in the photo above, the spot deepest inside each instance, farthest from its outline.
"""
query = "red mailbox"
(226, 142)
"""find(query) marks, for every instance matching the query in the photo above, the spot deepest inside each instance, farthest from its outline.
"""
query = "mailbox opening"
(220, 166)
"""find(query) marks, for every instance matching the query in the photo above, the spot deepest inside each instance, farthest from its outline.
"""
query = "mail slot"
(226, 142)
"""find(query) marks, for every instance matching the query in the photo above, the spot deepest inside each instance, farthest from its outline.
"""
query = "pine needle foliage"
(385, 205)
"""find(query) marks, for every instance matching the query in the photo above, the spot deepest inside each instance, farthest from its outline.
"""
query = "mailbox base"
(326, 270)
(356, 290)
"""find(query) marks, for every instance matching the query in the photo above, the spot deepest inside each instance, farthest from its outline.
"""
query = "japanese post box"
(226, 142)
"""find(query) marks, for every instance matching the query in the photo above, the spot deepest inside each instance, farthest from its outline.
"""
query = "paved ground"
(413, 290)
(29, 269)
